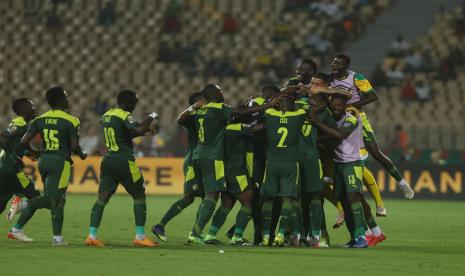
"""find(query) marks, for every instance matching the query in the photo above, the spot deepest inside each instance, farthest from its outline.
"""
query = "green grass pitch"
(423, 237)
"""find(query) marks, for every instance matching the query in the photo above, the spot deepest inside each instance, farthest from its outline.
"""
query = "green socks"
(295, 219)
(394, 172)
(359, 219)
(174, 210)
(34, 204)
(140, 211)
(316, 214)
(97, 213)
(205, 213)
(242, 218)
(218, 220)
(57, 213)
(266, 216)
(285, 218)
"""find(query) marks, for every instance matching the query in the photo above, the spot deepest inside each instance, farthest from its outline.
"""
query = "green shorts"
(368, 133)
(238, 181)
(55, 172)
(211, 174)
(116, 169)
(311, 174)
(281, 179)
(17, 184)
(348, 178)
(192, 185)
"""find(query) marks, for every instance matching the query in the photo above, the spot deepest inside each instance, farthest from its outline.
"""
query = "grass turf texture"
(423, 237)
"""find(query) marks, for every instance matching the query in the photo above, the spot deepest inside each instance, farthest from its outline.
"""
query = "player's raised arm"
(31, 132)
(250, 110)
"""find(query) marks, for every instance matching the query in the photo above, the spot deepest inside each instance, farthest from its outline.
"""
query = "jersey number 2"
(283, 132)
(110, 140)
(51, 141)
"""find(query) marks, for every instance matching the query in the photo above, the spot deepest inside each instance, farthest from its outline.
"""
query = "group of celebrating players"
(279, 154)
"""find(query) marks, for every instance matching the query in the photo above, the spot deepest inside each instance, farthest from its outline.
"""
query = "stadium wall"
(164, 176)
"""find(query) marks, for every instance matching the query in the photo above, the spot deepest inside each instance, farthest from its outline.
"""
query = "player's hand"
(274, 101)
(313, 118)
(83, 155)
(153, 115)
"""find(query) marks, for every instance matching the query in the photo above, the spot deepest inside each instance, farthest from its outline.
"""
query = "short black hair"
(311, 62)
(342, 96)
(195, 97)
(271, 88)
(18, 105)
(55, 95)
(323, 76)
(209, 89)
(126, 96)
(345, 57)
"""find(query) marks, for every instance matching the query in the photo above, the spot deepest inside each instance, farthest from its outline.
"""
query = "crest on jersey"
(130, 119)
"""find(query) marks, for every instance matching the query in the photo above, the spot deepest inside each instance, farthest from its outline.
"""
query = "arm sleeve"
(10, 132)
(130, 123)
(227, 112)
(237, 129)
(363, 85)
(74, 131)
(350, 124)
(33, 128)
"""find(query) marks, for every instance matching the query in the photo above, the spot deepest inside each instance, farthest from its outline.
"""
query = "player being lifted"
(192, 187)
(118, 166)
(12, 178)
(60, 137)
(362, 94)
(211, 119)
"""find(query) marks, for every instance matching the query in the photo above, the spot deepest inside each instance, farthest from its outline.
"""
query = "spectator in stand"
(394, 74)
(89, 141)
(413, 61)
(408, 90)
(423, 91)
(401, 139)
(229, 24)
(107, 15)
(399, 47)
(379, 77)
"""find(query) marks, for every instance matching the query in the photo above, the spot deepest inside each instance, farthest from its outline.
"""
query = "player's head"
(305, 69)
(25, 108)
(57, 97)
(195, 97)
(212, 93)
(286, 103)
(340, 65)
(338, 104)
(321, 80)
(269, 91)
(127, 100)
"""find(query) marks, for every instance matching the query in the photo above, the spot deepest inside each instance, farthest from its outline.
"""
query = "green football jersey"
(15, 151)
(210, 122)
(56, 128)
(192, 140)
(118, 125)
(284, 133)
(237, 146)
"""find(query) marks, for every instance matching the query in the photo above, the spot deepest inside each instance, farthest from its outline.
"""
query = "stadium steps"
(411, 18)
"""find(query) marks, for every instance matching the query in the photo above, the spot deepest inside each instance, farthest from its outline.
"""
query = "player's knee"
(105, 197)
(138, 195)
(353, 197)
(189, 199)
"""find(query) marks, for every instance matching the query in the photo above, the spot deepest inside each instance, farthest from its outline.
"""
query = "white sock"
(327, 180)
(368, 232)
(92, 236)
(58, 238)
(140, 237)
(317, 237)
(376, 231)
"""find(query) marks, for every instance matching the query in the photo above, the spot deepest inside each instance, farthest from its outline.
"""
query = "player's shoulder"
(350, 119)
(358, 76)
(18, 122)
(117, 112)
(60, 114)
(214, 105)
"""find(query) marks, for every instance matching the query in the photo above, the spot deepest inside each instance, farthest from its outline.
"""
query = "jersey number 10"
(110, 140)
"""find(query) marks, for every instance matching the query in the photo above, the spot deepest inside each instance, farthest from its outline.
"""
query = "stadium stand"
(166, 49)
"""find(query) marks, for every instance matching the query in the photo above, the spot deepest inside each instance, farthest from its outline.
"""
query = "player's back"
(211, 121)
(236, 146)
(116, 124)
(349, 148)
(56, 127)
(283, 133)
